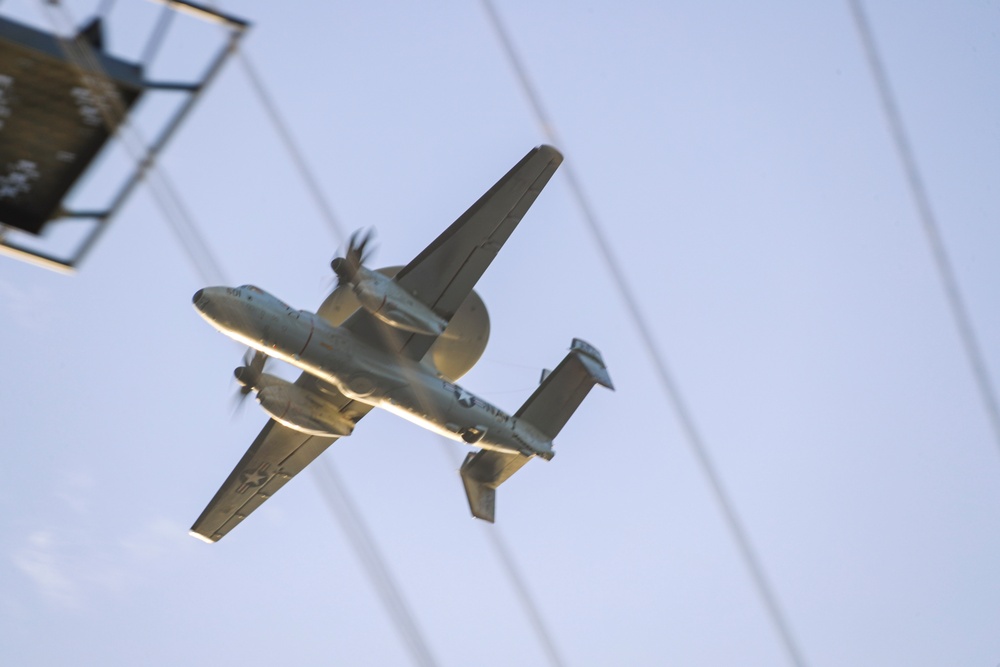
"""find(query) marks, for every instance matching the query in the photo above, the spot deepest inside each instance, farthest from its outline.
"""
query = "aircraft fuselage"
(365, 373)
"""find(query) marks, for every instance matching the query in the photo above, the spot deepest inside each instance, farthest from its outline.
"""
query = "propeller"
(346, 267)
(248, 375)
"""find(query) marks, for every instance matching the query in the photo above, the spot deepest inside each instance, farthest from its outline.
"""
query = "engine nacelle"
(301, 410)
(385, 299)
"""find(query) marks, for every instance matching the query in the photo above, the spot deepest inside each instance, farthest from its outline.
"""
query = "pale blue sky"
(739, 161)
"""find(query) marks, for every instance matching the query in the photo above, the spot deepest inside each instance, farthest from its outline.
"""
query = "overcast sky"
(738, 159)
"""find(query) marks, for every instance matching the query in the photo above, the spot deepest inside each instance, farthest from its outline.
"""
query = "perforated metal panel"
(53, 120)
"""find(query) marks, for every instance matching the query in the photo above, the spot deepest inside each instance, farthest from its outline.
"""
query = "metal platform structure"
(62, 102)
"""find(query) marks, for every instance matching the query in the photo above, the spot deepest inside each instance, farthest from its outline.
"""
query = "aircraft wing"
(446, 271)
(276, 455)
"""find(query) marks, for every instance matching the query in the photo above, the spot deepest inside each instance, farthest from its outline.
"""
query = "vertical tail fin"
(562, 390)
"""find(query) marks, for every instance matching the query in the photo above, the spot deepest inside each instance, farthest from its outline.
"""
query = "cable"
(285, 134)
(341, 506)
(517, 581)
(155, 41)
(198, 253)
(928, 220)
(291, 146)
(667, 381)
(513, 572)
(524, 596)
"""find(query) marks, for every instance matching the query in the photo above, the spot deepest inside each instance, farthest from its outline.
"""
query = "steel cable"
(928, 221)
(667, 381)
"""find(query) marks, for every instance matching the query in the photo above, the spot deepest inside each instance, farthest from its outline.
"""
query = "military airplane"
(398, 339)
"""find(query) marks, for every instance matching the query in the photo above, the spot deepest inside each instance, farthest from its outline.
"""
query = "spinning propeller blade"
(346, 267)
(248, 375)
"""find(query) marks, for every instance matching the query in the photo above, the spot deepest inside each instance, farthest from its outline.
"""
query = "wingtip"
(203, 538)
(552, 151)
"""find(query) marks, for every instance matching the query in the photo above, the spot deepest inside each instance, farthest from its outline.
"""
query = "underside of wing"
(443, 275)
(276, 455)
(446, 271)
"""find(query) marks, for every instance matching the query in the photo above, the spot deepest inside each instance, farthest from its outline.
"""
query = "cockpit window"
(254, 289)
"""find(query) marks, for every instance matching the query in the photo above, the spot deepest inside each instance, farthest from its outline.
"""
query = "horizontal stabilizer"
(562, 390)
(482, 472)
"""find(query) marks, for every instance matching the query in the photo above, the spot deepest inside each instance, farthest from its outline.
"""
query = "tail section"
(549, 408)
(482, 472)
(562, 390)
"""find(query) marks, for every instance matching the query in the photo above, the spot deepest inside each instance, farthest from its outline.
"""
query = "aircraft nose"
(197, 296)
